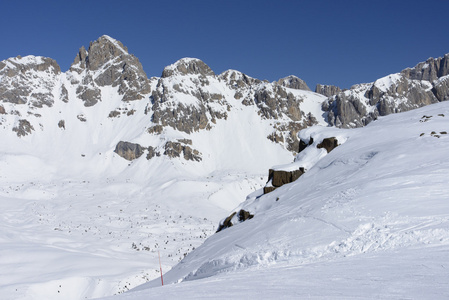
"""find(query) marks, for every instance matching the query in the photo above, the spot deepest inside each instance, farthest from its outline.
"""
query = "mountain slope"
(378, 199)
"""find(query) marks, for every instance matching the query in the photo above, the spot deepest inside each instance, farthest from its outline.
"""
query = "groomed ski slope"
(368, 220)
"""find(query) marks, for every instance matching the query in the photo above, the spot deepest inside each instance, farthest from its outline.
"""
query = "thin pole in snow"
(160, 266)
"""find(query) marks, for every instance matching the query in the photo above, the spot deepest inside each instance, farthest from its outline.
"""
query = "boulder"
(128, 151)
(280, 177)
(328, 143)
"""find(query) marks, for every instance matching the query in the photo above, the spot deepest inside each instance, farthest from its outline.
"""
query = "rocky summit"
(190, 98)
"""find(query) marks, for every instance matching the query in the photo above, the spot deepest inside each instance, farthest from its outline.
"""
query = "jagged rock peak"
(108, 63)
(293, 82)
(186, 66)
(100, 52)
(430, 70)
(327, 90)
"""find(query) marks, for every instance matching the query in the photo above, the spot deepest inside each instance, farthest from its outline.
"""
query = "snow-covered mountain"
(102, 168)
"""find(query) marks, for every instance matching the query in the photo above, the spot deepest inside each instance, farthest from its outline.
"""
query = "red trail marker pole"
(160, 267)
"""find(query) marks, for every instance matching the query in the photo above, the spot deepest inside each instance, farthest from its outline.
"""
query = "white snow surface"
(369, 220)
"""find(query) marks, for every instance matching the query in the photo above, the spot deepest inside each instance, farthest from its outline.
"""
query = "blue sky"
(328, 42)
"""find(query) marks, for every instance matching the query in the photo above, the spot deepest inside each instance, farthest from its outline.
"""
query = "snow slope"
(79, 221)
(368, 220)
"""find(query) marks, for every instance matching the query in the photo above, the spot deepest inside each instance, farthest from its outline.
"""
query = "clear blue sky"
(328, 42)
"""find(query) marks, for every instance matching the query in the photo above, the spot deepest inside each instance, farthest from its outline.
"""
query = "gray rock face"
(176, 149)
(278, 178)
(187, 66)
(28, 80)
(108, 63)
(274, 102)
(441, 88)
(327, 90)
(189, 79)
(23, 128)
(293, 82)
(430, 70)
(128, 151)
(424, 84)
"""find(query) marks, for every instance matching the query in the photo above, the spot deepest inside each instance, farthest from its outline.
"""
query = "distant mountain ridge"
(189, 97)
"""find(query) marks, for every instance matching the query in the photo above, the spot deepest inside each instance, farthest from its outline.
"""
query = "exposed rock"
(61, 124)
(64, 95)
(293, 82)
(175, 149)
(441, 88)
(278, 178)
(81, 117)
(244, 215)
(152, 152)
(114, 114)
(28, 80)
(268, 189)
(24, 128)
(329, 144)
(187, 66)
(185, 141)
(2, 110)
(303, 145)
(327, 90)
(156, 129)
(226, 223)
(193, 79)
(430, 70)
(276, 137)
(107, 63)
(128, 151)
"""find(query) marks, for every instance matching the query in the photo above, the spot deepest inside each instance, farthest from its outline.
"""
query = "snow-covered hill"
(102, 168)
(368, 220)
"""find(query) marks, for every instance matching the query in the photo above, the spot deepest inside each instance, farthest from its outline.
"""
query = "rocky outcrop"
(61, 124)
(347, 110)
(23, 128)
(188, 66)
(293, 82)
(441, 88)
(328, 143)
(28, 80)
(241, 216)
(177, 149)
(327, 90)
(277, 178)
(128, 151)
(424, 84)
(430, 70)
(108, 63)
(188, 79)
